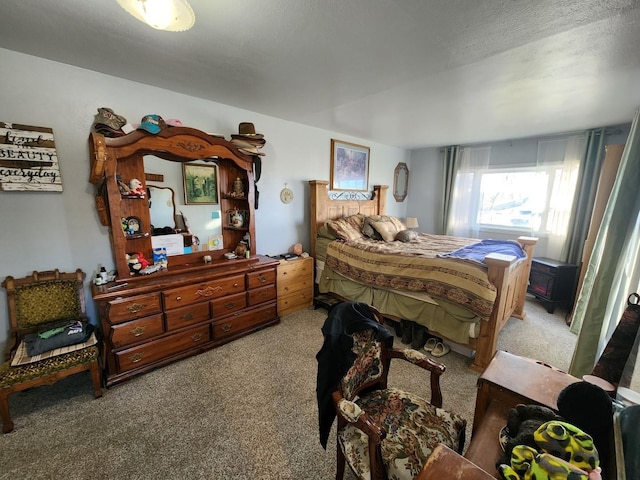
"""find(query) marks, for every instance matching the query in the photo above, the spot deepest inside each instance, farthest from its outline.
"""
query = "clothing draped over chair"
(336, 355)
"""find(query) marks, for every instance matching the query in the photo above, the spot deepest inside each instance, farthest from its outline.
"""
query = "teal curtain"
(584, 199)
(613, 271)
(451, 157)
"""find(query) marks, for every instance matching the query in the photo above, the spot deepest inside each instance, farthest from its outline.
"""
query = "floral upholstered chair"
(50, 337)
(383, 432)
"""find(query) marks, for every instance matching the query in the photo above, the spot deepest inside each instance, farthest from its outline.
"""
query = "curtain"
(584, 200)
(451, 156)
(613, 271)
(561, 157)
(463, 209)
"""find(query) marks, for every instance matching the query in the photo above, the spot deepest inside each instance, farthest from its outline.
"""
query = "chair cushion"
(22, 357)
(45, 302)
(414, 428)
(10, 376)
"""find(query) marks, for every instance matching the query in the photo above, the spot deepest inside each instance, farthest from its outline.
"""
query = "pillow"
(388, 218)
(387, 226)
(369, 231)
(347, 228)
(324, 232)
(406, 235)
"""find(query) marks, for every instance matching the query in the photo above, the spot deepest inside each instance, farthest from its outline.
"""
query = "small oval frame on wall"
(400, 182)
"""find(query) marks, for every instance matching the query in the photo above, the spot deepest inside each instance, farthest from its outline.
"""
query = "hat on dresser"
(108, 123)
(152, 123)
(247, 129)
(174, 122)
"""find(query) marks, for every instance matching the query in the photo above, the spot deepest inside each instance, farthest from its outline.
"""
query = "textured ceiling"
(410, 73)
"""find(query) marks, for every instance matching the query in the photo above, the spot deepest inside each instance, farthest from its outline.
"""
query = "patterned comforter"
(415, 266)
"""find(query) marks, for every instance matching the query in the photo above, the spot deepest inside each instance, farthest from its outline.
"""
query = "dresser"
(155, 320)
(295, 285)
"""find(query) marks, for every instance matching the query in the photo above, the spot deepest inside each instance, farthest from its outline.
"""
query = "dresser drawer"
(242, 321)
(181, 317)
(136, 330)
(179, 297)
(123, 309)
(295, 284)
(295, 301)
(262, 294)
(157, 350)
(227, 305)
(258, 279)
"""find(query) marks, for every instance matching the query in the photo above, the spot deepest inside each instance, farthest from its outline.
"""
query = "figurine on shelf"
(136, 187)
(123, 187)
(238, 188)
(236, 219)
(136, 262)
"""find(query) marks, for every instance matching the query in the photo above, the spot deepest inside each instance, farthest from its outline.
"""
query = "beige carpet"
(246, 410)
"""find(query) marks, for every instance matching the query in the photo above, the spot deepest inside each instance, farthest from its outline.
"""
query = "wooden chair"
(384, 432)
(35, 302)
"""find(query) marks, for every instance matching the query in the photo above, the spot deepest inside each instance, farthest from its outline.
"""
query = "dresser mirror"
(154, 159)
(162, 207)
(204, 220)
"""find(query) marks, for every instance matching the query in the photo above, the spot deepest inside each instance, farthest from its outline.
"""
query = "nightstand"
(295, 285)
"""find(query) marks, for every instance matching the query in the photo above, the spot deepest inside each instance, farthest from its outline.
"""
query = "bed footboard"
(510, 278)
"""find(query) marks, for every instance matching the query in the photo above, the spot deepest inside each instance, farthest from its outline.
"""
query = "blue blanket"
(477, 251)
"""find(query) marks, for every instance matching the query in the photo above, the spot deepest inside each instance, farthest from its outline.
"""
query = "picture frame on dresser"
(349, 166)
(200, 184)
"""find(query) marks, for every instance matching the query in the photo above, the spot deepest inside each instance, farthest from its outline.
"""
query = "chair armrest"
(353, 414)
(436, 369)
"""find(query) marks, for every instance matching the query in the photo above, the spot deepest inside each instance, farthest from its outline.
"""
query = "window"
(535, 198)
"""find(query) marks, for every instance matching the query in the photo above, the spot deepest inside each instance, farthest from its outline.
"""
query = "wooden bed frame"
(509, 275)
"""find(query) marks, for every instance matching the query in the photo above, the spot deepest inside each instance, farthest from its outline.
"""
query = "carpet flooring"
(246, 410)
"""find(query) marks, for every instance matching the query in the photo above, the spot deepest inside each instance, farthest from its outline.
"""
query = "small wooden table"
(508, 381)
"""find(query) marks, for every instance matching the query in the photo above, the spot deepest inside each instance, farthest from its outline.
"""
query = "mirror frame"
(400, 182)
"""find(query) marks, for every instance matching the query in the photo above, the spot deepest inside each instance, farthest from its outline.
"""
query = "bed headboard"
(324, 208)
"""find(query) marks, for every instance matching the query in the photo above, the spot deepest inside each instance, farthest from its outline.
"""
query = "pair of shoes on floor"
(420, 336)
(437, 347)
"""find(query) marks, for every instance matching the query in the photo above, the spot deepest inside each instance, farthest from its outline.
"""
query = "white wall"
(43, 231)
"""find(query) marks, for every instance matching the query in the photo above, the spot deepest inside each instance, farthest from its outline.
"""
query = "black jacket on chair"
(336, 357)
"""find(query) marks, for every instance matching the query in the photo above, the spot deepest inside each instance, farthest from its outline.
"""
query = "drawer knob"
(263, 294)
(135, 307)
(226, 328)
(235, 284)
(178, 298)
(229, 305)
(136, 332)
(187, 316)
(262, 278)
(136, 358)
(196, 337)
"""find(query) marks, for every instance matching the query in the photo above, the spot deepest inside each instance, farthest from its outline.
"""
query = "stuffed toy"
(522, 422)
(136, 187)
(136, 262)
(562, 451)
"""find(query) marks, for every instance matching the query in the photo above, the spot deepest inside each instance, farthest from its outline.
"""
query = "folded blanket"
(56, 336)
(477, 251)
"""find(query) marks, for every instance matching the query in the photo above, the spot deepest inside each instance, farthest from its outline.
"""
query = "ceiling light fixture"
(169, 15)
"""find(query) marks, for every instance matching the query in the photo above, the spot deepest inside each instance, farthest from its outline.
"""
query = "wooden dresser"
(155, 320)
(295, 285)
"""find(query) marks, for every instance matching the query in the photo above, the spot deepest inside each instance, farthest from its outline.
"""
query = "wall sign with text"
(28, 159)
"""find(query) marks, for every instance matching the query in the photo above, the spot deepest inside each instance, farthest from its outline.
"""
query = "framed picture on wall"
(349, 166)
(200, 184)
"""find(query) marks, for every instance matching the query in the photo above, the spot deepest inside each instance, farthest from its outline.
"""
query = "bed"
(473, 310)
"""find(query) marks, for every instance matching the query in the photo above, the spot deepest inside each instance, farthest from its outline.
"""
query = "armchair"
(383, 432)
(44, 300)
